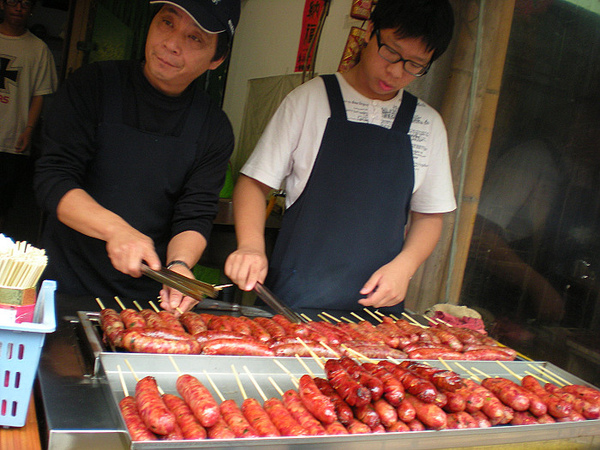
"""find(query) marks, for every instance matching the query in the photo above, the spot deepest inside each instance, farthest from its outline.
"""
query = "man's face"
(382, 80)
(177, 51)
(16, 16)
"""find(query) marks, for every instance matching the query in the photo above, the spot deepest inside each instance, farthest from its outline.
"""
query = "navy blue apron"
(350, 219)
(137, 175)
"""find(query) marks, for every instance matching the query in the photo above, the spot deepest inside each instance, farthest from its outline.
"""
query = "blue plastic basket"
(20, 348)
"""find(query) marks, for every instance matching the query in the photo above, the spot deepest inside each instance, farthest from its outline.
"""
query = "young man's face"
(177, 51)
(16, 16)
(381, 79)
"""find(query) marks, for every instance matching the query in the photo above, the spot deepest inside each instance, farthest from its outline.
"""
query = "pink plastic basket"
(20, 350)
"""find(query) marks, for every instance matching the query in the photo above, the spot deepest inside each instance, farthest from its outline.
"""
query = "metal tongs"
(277, 305)
(199, 290)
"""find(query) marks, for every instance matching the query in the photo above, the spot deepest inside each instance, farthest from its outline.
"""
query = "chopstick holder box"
(17, 305)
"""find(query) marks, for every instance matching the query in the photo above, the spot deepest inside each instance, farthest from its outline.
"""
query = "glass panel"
(534, 260)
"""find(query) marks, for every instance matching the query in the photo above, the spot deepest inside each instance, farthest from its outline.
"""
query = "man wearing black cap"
(134, 157)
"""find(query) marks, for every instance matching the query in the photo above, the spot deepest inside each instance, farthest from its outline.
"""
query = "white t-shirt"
(28, 70)
(285, 153)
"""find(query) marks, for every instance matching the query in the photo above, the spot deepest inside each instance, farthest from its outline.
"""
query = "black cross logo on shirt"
(6, 73)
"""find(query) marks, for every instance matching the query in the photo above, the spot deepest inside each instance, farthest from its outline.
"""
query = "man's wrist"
(178, 262)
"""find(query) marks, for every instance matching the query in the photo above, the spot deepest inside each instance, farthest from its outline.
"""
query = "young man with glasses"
(357, 156)
(27, 74)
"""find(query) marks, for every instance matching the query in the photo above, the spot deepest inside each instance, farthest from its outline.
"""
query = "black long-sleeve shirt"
(70, 154)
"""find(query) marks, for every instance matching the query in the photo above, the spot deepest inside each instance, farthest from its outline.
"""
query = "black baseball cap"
(213, 16)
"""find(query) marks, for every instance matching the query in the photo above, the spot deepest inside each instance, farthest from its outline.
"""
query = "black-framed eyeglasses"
(26, 4)
(393, 57)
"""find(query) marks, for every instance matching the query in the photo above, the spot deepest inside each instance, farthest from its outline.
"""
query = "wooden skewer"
(467, 371)
(118, 300)
(276, 386)
(175, 365)
(312, 353)
(239, 382)
(540, 379)
(335, 319)
(323, 318)
(100, 304)
(123, 385)
(358, 354)
(517, 376)
(347, 320)
(137, 305)
(337, 355)
(446, 365)
(372, 314)
(153, 306)
(430, 319)
(308, 319)
(549, 375)
(410, 319)
(360, 319)
(214, 386)
(548, 371)
(394, 317)
(292, 376)
(481, 372)
(379, 313)
(260, 391)
(178, 309)
(310, 372)
(132, 371)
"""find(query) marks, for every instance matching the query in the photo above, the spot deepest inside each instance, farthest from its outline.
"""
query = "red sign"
(313, 10)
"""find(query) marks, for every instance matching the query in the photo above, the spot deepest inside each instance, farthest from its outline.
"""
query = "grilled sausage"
(349, 389)
(430, 415)
(236, 421)
(357, 427)
(283, 419)
(386, 412)
(132, 319)
(335, 428)
(296, 407)
(135, 425)
(171, 321)
(556, 406)
(583, 407)
(220, 430)
(393, 389)
(189, 424)
(314, 400)
(241, 347)
(152, 409)
(113, 326)
(342, 409)
(406, 411)
(273, 328)
(147, 341)
(258, 418)
(192, 322)
(508, 392)
(360, 374)
(199, 399)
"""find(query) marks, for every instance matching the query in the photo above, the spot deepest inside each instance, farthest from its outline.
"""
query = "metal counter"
(79, 389)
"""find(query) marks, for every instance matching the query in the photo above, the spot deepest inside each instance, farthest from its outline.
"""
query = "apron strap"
(334, 93)
(405, 113)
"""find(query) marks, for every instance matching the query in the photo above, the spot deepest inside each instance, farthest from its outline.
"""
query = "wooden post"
(447, 263)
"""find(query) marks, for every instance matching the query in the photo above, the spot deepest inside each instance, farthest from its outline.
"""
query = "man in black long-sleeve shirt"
(134, 158)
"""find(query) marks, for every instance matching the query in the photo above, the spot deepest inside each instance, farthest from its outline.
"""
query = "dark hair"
(429, 20)
(222, 46)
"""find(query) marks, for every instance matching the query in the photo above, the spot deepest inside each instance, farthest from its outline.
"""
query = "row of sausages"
(147, 331)
(356, 398)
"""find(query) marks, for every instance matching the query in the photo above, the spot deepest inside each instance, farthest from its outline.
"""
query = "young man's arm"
(388, 285)
(35, 110)
(248, 264)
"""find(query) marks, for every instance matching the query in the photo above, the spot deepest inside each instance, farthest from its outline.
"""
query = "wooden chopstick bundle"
(21, 264)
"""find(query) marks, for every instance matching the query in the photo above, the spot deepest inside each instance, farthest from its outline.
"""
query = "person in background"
(27, 74)
(358, 155)
(134, 157)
